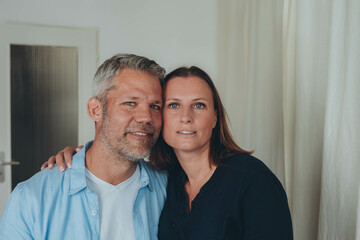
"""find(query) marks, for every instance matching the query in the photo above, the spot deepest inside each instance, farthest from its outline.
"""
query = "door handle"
(10, 163)
(2, 164)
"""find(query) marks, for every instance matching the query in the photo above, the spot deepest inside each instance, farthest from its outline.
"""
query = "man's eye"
(173, 105)
(199, 105)
(156, 107)
(130, 103)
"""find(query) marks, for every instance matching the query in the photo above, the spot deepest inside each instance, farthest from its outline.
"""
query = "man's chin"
(136, 154)
(136, 158)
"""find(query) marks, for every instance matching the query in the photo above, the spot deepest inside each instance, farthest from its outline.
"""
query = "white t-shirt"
(116, 205)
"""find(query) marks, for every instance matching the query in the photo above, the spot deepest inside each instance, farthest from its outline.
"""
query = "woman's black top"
(242, 200)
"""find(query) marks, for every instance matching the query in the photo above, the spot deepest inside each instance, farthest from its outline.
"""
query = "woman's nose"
(186, 116)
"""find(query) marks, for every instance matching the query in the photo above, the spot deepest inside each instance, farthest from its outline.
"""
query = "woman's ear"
(215, 120)
(94, 109)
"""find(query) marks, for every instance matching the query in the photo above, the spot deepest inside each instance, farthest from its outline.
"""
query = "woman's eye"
(199, 105)
(173, 105)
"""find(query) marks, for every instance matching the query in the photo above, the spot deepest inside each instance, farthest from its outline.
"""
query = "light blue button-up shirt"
(59, 205)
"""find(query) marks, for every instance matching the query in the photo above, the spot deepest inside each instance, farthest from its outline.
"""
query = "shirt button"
(173, 225)
(94, 212)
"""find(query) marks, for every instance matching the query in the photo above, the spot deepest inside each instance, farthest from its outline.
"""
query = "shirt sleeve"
(266, 212)
(15, 222)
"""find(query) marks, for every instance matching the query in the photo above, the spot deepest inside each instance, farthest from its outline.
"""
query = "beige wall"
(172, 32)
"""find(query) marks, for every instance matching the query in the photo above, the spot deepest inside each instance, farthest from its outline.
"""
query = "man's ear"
(94, 109)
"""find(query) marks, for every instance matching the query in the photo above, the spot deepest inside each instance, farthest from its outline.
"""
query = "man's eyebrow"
(126, 98)
(129, 98)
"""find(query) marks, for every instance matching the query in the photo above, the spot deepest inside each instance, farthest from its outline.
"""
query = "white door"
(84, 41)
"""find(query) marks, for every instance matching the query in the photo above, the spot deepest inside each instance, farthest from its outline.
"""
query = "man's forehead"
(130, 77)
(134, 96)
(136, 93)
(128, 73)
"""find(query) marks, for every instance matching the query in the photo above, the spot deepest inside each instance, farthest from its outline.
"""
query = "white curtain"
(289, 74)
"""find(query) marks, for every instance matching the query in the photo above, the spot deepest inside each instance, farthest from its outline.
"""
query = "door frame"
(85, 40)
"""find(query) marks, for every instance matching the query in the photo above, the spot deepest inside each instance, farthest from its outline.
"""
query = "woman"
(216, 190)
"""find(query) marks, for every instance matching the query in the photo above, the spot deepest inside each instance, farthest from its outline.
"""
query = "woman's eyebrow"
(194, 100)
(172, 99)
(200, 99)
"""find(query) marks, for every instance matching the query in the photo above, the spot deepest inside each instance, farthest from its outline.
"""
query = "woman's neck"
(198, 169)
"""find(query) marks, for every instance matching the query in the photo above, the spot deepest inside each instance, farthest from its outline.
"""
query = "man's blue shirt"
(59, 205)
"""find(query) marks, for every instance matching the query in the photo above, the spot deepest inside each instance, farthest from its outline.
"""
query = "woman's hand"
(63, 157)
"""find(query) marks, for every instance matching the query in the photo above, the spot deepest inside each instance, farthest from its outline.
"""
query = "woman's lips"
(186, 132)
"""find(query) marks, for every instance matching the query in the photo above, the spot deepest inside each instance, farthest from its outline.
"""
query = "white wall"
(172, 32)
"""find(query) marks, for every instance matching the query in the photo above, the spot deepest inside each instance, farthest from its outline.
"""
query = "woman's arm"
(266, 211)
(62, 157)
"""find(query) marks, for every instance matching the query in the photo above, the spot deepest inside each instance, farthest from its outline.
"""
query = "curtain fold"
(289, 74)
(250, 39)
(307, 77)
(341, 154)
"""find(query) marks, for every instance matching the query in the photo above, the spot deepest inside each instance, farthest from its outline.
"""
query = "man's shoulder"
(42, 181)
(31, 196)
(40, 205)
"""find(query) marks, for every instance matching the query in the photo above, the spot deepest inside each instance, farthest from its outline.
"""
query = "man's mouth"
(142, 133)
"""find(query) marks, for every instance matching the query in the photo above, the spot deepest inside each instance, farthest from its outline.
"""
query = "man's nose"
(144, 114)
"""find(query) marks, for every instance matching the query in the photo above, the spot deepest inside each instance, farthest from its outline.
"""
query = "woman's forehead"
(194, 87)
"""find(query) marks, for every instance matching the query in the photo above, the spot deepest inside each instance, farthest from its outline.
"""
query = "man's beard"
(122, 146)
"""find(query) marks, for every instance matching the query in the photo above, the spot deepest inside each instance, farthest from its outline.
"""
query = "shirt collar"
(145, 175)
(77, 171)
(78, 176)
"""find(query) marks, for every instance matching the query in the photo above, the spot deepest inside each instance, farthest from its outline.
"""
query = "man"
(110, 192)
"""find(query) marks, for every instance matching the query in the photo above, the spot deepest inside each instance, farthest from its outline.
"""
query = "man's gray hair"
(103, 79)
